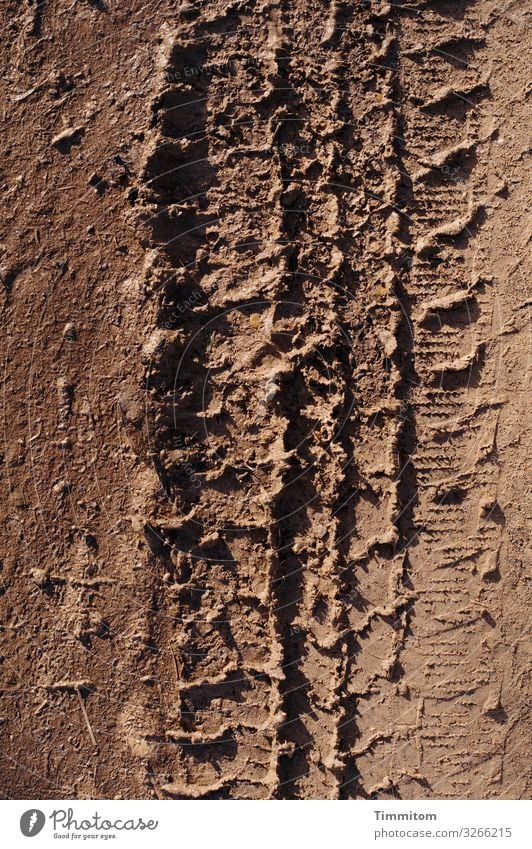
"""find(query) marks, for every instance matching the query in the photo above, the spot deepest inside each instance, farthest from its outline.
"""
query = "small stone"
(64, 140)
(271, 391)
(387, 339)
(69, 332)
(61, 487)
(41, 577)
(492, 703)
(489, 570)
(188, 10)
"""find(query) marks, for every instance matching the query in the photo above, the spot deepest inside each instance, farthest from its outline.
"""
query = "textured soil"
(264, 301)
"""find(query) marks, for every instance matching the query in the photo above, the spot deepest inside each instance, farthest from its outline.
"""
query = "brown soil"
(263, 471)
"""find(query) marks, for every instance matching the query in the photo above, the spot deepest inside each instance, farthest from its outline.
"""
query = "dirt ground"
(263, 470)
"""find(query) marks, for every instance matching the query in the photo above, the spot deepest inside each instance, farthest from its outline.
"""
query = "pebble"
(41, 577)
(271, 391)
(69, 332)
(321, 531)
(67, 135)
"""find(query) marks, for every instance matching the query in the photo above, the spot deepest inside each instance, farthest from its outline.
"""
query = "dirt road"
(265, 353)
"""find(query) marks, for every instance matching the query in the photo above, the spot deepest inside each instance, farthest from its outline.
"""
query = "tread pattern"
(323, 411)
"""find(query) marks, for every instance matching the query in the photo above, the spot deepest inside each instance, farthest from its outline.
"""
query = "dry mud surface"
(264, 347)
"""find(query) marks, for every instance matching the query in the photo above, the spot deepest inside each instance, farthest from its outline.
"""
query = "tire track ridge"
(313, 633)
(398, 345)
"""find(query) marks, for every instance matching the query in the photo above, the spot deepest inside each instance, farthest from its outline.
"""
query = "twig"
(86, 717)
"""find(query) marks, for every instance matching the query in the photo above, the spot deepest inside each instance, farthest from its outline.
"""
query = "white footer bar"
(501, 824)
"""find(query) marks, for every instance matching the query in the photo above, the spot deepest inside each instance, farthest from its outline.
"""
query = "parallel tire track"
(323, 416)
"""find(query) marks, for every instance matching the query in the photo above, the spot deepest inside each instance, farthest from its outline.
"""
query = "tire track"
(311, 423)
(379, 519)
(218, 737)
(321, 421)
(308, 588)
(443, 150)
(321, 724)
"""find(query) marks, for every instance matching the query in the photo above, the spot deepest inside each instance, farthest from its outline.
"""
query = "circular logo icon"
(32, 822)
